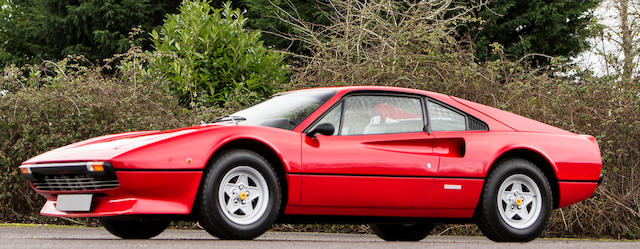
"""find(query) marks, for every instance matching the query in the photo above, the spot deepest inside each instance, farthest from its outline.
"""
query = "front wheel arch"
(243, 171)
(265, 151)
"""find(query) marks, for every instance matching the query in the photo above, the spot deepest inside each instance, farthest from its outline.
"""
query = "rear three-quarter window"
(442, 118)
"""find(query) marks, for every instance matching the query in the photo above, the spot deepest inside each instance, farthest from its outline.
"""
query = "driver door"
(378, 157)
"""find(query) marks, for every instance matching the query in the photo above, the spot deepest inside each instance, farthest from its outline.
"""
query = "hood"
(110, 146)
(516, 122)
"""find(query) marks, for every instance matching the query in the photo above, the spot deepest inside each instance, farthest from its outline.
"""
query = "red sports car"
(399, 159)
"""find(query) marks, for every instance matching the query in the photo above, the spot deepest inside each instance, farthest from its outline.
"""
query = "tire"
(402, 232)
(239, 197)
(516, 202)
(135, 229)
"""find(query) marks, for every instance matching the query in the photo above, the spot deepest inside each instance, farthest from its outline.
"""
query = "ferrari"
(401, 160)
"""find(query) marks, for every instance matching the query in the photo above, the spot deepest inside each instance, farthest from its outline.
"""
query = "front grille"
(73, 183)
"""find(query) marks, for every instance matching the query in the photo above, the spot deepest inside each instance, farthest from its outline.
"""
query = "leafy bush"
(55, 104)
(208, 57)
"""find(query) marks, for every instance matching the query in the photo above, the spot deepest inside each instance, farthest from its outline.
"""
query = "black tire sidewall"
(213, 214)
(506, 169)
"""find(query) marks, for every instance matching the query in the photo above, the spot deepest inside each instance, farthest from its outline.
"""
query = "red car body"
(437, 174)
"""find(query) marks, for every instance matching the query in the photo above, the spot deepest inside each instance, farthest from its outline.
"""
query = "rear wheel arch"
(539, 160)
(265, 151)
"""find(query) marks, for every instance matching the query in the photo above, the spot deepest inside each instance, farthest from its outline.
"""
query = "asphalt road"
(40, 237)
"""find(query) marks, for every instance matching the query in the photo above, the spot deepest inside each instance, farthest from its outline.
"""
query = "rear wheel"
(135, 229)
(517, 202)
(402, 232)
(240, 196)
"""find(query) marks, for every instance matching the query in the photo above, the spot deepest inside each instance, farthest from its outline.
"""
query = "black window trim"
(466, 116)
(423, 101)
(371, 93)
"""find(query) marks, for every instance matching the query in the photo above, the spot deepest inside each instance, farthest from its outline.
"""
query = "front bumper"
(138, 192)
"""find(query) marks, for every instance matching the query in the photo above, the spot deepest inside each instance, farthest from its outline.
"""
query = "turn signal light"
(95, 166)
(25, 170)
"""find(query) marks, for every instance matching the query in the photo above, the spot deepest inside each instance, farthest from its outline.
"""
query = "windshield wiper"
(231, 118)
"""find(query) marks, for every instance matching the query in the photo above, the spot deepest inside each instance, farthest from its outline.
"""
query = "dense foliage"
(208, 57)
(270, 17)
(555, 28)
(49, 30)
(36, 30)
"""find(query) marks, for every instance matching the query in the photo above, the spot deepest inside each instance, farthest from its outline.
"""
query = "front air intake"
(73, 176)
(73, 183)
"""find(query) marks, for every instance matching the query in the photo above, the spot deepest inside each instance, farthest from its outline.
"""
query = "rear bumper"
(600, 180)
(575, 191)
(138, 193)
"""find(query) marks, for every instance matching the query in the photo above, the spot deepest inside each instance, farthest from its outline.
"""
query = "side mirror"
(326, 129)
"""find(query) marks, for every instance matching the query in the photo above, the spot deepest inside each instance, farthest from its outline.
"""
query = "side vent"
(477, 125)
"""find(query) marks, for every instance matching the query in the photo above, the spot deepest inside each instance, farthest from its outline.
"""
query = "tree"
(267, 16)
(35, 30)
(555, 28)
(626, 39)
(627, 33)
(616, 51)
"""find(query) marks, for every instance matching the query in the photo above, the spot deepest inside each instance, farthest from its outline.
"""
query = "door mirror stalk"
(427, 128)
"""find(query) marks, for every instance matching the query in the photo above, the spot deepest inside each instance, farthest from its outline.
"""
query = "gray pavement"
(40, 237)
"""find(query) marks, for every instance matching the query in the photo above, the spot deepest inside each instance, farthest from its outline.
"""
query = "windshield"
(283, 111)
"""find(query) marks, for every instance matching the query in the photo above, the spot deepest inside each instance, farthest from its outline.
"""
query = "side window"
(445, 119)
(333, 117)
(364, 115)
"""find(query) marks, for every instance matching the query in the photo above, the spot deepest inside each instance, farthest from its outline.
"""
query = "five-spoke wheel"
(240, 196)
(516, 202)
(244, 194)
(519, 201)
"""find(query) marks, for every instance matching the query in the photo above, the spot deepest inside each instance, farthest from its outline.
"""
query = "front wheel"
(135, 229)
(240, 196)
(517, 202)
(402, 232)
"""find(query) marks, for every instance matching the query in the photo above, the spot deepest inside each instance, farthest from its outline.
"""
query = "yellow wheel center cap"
(243, 196)
(518, 201)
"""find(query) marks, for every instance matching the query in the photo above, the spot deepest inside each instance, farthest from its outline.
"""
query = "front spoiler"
(139, 193)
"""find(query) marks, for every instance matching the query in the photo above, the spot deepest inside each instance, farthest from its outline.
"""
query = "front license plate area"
(76, 203)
